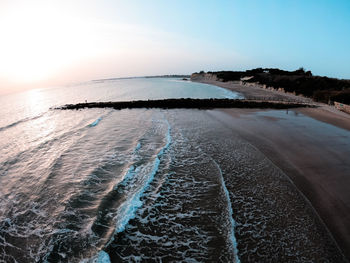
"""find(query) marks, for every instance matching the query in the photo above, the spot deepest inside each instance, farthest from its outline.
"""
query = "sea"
(141, 185)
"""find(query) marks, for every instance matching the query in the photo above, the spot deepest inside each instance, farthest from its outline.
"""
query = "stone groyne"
(187, 104)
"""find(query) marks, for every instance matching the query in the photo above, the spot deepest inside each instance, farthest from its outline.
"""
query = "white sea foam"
(127, 211)
(138, 146)
(129, 174)
(230, 214)
(103, 257)
(95, 122)
(129, 208)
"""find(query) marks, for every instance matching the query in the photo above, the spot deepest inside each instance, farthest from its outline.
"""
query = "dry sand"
(255, 91)
(314, 154)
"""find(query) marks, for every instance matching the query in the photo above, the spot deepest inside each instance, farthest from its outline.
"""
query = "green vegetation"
(300, 82)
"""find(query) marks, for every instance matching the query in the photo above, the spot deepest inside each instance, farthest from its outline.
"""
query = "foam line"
(131, 171)
(230, 214)
(129, 174)
(138, 146)
(22, 121)
(129, 208)
(103, 257)
(95, 122)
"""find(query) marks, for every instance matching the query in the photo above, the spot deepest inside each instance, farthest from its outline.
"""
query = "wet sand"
(328, 114)
(314, 154)
(186, 216)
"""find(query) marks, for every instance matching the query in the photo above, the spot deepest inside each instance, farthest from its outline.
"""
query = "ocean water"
(30, 104)
(103, 185)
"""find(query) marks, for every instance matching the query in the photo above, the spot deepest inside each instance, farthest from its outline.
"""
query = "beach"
(174, 132)
(155, 184)
(313, 154)
(323, 112)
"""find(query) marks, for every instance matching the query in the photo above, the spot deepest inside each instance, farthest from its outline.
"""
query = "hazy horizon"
(48, 43)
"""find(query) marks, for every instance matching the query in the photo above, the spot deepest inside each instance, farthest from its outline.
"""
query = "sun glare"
(37, 41)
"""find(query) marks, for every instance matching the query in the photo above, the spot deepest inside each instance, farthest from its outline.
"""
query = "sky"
(54, 42)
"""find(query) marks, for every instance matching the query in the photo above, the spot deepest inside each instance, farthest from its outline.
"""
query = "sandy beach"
(323, 112)
(310, 145)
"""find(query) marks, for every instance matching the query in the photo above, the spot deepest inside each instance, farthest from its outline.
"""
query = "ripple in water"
(146, 185)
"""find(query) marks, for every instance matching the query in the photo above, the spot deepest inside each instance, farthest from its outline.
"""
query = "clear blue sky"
(60, 40)
(272, 33)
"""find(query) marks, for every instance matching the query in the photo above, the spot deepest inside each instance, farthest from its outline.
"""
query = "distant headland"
(155, 76)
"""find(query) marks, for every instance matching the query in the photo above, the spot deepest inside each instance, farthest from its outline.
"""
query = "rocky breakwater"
(186, 104)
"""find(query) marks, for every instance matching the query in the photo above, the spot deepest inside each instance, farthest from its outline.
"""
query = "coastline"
(252, 91)
(318, 167)
(323, 112)
(328, 114)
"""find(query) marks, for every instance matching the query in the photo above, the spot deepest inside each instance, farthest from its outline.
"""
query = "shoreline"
(318, 168)
(323, 112)
(306, 163)
(252, 91)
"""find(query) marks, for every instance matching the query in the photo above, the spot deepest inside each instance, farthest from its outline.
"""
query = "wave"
(229, 224)
(90, 211)
(95, 122)
(103, 257)
(22, 121)
(128, 209)
(230, 214)
(138, 146)
(98, 120)
(27, 154)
